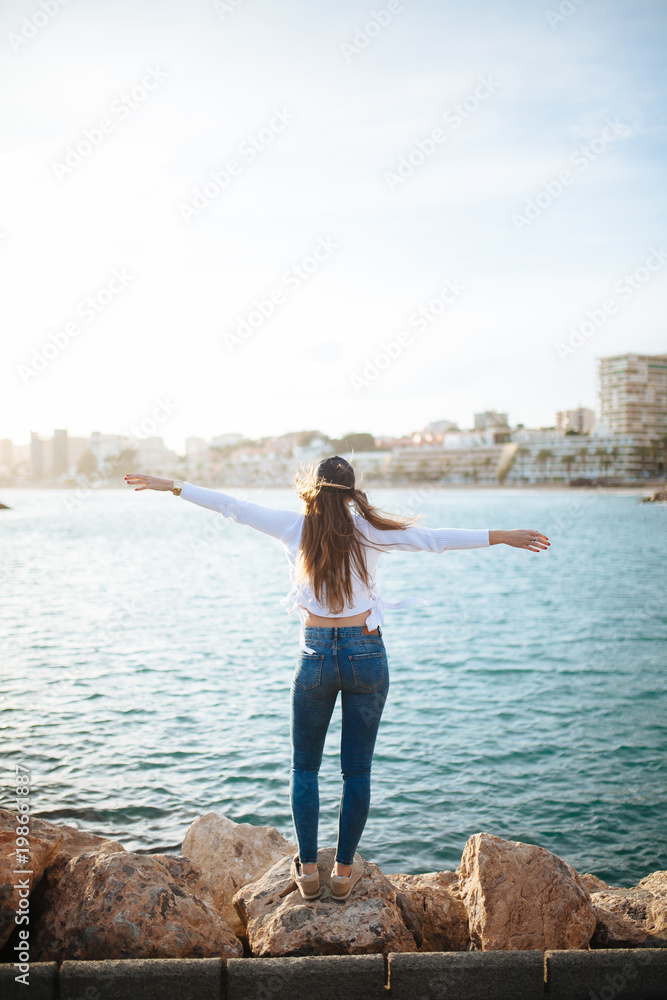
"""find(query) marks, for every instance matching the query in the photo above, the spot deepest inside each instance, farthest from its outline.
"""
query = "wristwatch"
(177, 486)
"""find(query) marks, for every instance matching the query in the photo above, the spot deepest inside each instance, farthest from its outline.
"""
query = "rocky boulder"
(126, 905)
(443, 915)
(77, 841)
(376, 917)
(231, 855)
(592, 882)
(634, 917)
(520, 896)
(44, 840)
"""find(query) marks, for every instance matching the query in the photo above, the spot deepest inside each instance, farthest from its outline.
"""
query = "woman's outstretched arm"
(272, 521)
(417, 538)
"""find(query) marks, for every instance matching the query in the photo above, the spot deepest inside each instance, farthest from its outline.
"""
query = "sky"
(253, 217)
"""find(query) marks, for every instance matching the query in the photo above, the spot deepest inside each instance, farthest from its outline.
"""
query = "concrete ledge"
(324, 977)
(598, 974)
(607, 974)
(142, 979)
(467, 975)
(42, 980)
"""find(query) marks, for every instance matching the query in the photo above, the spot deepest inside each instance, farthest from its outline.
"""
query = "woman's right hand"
(148, 482)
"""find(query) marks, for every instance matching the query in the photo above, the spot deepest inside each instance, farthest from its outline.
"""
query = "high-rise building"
(195, 447)
(105, 446)
(490, 419)
(633, 394)
(580, 420)
(59, 452)
(76, 448)
(6, 453)
(36, 456)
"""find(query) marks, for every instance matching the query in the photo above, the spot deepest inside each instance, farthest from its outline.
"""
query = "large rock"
(44, 840)
(634, 917)
(592, 882)
(376, 917)
(128, 905)
(443, 914)
(519, 896)
(77, 841)
(232, 855)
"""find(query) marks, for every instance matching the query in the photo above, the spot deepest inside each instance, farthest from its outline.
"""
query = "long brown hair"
(330, 545)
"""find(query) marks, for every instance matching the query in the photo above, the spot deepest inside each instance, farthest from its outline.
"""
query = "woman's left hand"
(527, 538)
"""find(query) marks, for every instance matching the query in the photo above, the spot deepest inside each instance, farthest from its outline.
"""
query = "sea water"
(147, 662)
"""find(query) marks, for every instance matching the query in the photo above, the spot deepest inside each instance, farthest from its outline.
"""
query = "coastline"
(620, 489)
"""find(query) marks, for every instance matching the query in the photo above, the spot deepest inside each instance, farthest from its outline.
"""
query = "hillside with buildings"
(625, 442)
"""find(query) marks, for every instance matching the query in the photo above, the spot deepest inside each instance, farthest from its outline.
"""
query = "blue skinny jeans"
(354, 663)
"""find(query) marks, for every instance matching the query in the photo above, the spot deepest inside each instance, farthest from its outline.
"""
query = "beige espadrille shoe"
(308, 885)
(342, 885)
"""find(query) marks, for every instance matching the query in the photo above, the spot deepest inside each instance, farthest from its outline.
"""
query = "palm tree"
(543, 458)
(615, 452)
(567, 461)
(657, 448)
(599, 454)
(642, 451)
(663, 453)
(521, 455)
(583, 455)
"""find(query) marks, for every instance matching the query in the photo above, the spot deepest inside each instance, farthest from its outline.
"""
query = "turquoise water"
(146, 669)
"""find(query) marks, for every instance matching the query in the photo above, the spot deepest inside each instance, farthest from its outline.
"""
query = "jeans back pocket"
(368, 670)
(308, 673)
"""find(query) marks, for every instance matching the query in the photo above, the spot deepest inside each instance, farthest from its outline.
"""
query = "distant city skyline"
(628, 442)
(48, 433)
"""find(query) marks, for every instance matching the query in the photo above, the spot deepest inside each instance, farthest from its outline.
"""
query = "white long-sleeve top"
(286, 526)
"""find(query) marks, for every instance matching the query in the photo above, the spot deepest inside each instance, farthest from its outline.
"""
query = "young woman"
(333, 553)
